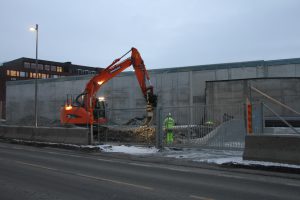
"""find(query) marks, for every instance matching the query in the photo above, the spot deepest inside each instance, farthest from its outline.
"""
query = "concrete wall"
(174, 86)
(46, 134)
(285, 90)
(273, 148)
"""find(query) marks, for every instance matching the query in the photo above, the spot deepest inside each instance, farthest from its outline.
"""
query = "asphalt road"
(46, 173)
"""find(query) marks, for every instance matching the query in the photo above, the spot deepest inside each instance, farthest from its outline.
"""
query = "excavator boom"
(82, 112)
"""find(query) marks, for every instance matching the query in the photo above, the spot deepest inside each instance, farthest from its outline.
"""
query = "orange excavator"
(84, 110)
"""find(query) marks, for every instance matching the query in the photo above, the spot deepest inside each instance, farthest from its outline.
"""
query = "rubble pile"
(130, 134)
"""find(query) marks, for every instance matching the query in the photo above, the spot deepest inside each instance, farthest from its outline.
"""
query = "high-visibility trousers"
(170, 137)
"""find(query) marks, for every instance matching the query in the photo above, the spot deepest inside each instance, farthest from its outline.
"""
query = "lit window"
(8, 72)
(59, 69)
(32, 75)
(44, 76)
(14, 73)
(53, 68)
(47, 67)
(27, 65)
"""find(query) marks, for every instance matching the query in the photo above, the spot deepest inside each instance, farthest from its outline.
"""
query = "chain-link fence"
(216, 126)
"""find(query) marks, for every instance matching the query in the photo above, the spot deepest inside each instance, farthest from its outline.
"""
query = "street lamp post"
(36, 29)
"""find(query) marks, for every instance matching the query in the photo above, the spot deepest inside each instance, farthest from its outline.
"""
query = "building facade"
(25, 68)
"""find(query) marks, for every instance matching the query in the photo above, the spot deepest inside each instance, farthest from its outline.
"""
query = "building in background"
(24, 68)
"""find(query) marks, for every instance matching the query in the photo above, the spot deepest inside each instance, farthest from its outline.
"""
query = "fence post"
(158, 132)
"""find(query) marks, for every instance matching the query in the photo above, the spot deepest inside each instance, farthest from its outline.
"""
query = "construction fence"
(201, 126)
(209, 126)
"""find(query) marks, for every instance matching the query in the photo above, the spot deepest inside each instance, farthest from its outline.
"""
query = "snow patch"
(128, 149)
(221, 157)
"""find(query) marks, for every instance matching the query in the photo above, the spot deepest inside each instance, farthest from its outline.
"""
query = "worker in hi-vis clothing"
(169, 125)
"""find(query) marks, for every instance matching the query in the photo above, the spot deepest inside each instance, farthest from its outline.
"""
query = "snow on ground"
(221, 157)
(128, 149)
(199, 155)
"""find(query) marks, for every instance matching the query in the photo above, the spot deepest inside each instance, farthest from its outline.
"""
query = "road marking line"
(198, 197)
(139, 164)
(38, 166)
(87, 176)
(115, 181)
(230, 176)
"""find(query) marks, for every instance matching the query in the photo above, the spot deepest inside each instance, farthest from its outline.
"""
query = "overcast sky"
(168, 33)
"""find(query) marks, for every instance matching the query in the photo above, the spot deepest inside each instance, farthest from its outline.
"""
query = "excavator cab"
(99, 111)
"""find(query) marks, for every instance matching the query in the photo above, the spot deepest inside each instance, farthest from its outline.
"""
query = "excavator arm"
(115, 68)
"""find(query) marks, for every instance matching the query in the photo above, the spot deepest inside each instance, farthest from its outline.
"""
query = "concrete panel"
(242, 73)
(282, 71)
(221, 74)
(46, 134)
(236, 91)
(198, 83)
(261, 71)
(297, 69)
(273, 148)
(227, 92)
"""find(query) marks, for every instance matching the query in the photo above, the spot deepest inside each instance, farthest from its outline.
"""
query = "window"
(22, 74)
(32, 65)
(13, 79)
(8, 72)
(27, 65)
(86, 71)
(47, 67)
(44, 76)
(41, 67)
(14, 73)
(79, 71)
(53, 68)
(59, 69)
(55, 76)
(32, 75)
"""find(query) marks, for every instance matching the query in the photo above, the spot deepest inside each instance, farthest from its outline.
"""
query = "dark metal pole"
(36, 75)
